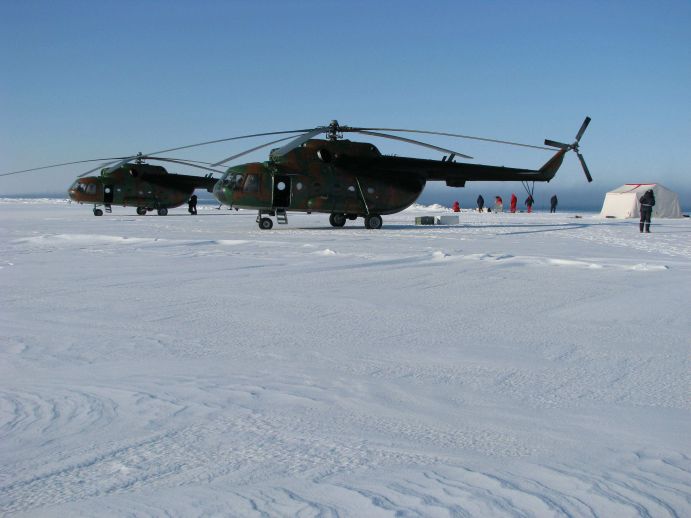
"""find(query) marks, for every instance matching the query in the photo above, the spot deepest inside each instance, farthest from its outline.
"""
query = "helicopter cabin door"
(281, 191)
(108, 194)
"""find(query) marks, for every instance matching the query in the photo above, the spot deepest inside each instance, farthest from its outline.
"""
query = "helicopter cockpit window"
(86, 188)
(252, 183)
(234, 182)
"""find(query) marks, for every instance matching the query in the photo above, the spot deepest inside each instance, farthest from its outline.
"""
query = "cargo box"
(446, 220)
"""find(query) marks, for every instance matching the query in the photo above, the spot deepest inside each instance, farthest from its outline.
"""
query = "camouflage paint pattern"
(353, 178)
(316, 183)
(138, 185)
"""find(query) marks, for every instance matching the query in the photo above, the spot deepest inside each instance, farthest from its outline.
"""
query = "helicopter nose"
(218, 191)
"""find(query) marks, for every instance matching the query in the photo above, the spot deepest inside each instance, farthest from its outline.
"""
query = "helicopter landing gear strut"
(373, 221)
(264, 222)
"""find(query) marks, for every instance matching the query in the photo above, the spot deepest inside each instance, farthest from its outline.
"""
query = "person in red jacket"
(529, 202)
(456, 207)
(514, 201)
(498, 204)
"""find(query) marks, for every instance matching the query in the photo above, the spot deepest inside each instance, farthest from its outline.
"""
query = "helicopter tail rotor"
(585, 167)
(574, 147)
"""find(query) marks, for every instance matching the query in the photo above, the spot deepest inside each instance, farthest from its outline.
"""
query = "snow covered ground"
(513, 365)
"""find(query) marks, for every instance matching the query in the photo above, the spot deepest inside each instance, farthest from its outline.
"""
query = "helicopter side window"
(251, 183)
(236, 182)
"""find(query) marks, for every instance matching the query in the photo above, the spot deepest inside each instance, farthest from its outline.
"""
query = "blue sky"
(84, 79)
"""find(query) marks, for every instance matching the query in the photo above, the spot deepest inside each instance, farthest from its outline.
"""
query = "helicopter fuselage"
(309, 179)
(144, 186)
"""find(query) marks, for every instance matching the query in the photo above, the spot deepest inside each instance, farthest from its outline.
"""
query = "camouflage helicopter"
(339, 177)
(348, 179)
(130, 182)
(145, 186)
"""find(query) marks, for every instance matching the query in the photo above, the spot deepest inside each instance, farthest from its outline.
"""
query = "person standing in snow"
(553, 204)
(647, 202)
(529, 202)
(192, 205)
(514, 202)
(480, 203)
(456, 207)
(498, 204)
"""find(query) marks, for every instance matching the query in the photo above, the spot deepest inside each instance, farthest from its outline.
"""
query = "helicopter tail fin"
(551, 167)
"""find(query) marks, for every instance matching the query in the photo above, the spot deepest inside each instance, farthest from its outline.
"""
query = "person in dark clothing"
(553, 204)
(529, 202)
(192, 205)
(480, 203)
(647, 202)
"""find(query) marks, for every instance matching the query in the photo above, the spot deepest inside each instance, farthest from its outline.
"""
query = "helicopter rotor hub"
(335, 131)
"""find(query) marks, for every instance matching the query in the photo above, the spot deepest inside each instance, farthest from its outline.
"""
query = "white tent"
(622, 202)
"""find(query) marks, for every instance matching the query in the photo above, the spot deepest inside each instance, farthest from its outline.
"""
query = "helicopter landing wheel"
(141, 211)
(162, 211)
(266, 223)
(337, 219)
(373, 221)
(98, 212)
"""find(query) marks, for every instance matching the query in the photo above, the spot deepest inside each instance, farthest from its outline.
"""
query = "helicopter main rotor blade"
(107, 165)
(58, 165)
(483, 139)
(411, 141)
(147, 155)
(554, 143)
(185, 162)
(582, 130)
(249, 151)
(585, 167)
(227, 140)
(301, 139)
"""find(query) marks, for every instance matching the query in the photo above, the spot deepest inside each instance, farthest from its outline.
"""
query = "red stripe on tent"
(637, 185)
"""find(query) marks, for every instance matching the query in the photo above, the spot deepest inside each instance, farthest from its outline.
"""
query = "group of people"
(647, 202)
(499, 204)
